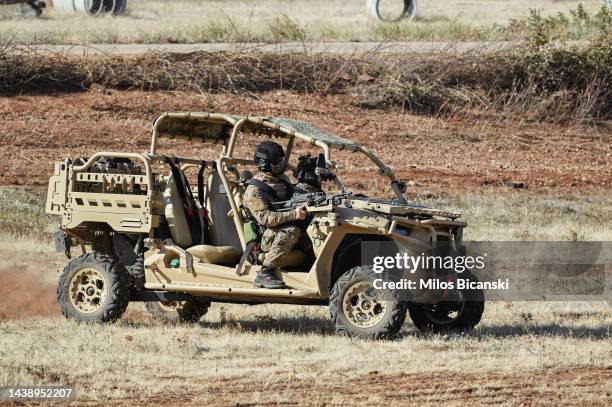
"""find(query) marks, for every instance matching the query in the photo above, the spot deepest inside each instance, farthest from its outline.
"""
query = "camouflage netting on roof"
(309, 130)
(217, 127)
(195, 126)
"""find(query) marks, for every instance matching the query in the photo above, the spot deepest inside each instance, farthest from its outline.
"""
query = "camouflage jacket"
(257, 201)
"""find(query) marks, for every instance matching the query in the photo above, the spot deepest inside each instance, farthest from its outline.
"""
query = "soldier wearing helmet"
(281, 235)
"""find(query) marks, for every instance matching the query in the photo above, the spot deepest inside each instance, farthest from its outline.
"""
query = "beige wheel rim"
(363, 305)
(88, 290)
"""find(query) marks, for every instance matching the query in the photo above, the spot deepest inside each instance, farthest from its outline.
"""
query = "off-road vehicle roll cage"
(216, 127)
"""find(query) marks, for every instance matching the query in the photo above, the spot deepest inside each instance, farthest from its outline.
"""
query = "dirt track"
(451, 155)
(24, 294)
(577, 386)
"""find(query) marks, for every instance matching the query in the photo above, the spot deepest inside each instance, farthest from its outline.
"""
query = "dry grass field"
(521, 353)
(193, 21)
(239, 355)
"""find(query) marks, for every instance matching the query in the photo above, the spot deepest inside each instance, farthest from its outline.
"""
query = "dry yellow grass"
(155, 21)
(516, 216)
(271, 349)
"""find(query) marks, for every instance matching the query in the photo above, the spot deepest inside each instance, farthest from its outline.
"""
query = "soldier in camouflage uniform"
(268, 186)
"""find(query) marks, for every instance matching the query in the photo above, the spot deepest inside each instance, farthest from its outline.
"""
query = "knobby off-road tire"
(452, 316)
(178, 311)
(93, 288)
(359, 310)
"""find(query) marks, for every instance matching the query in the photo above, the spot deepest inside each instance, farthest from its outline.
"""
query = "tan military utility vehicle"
(146, 235)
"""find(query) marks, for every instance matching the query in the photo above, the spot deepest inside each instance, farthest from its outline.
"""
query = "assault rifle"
(312, 200)
(298, 200)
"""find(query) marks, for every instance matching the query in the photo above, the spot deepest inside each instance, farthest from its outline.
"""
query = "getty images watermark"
(414, 263)
(505, 271)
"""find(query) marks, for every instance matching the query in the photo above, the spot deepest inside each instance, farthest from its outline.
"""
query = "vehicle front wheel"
(93, 288)
(178, 311)
(360, 310)
(460, 314)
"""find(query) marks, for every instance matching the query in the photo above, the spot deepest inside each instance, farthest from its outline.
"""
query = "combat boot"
(267, 278)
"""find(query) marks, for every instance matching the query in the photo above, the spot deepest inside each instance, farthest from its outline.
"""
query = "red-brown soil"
(560, 386)
(25, 293)
(451, 155)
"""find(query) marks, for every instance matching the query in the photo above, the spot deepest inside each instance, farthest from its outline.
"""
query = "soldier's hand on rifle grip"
(300, 213)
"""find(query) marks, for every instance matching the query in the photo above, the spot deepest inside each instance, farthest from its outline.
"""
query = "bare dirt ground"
(557, 386)
(451, 155)
(23, 293)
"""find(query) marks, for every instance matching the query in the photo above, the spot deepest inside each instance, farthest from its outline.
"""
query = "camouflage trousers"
(278, 242)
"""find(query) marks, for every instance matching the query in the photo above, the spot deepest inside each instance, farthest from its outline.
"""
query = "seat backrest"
(223, 228)
(175, 215)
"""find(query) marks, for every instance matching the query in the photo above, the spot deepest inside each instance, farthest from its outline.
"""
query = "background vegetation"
(535, 79)
(195, 21)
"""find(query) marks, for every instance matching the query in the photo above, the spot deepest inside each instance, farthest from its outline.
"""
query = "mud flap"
(63, 243)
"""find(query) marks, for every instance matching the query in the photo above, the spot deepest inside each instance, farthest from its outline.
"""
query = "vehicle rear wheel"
(93, 288)
(358, 309)
(178, 311)
(461, 314)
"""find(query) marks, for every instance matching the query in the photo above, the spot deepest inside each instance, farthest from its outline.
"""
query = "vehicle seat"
(175, 215)
(181, 235)
(215, 254)
(223, 228)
